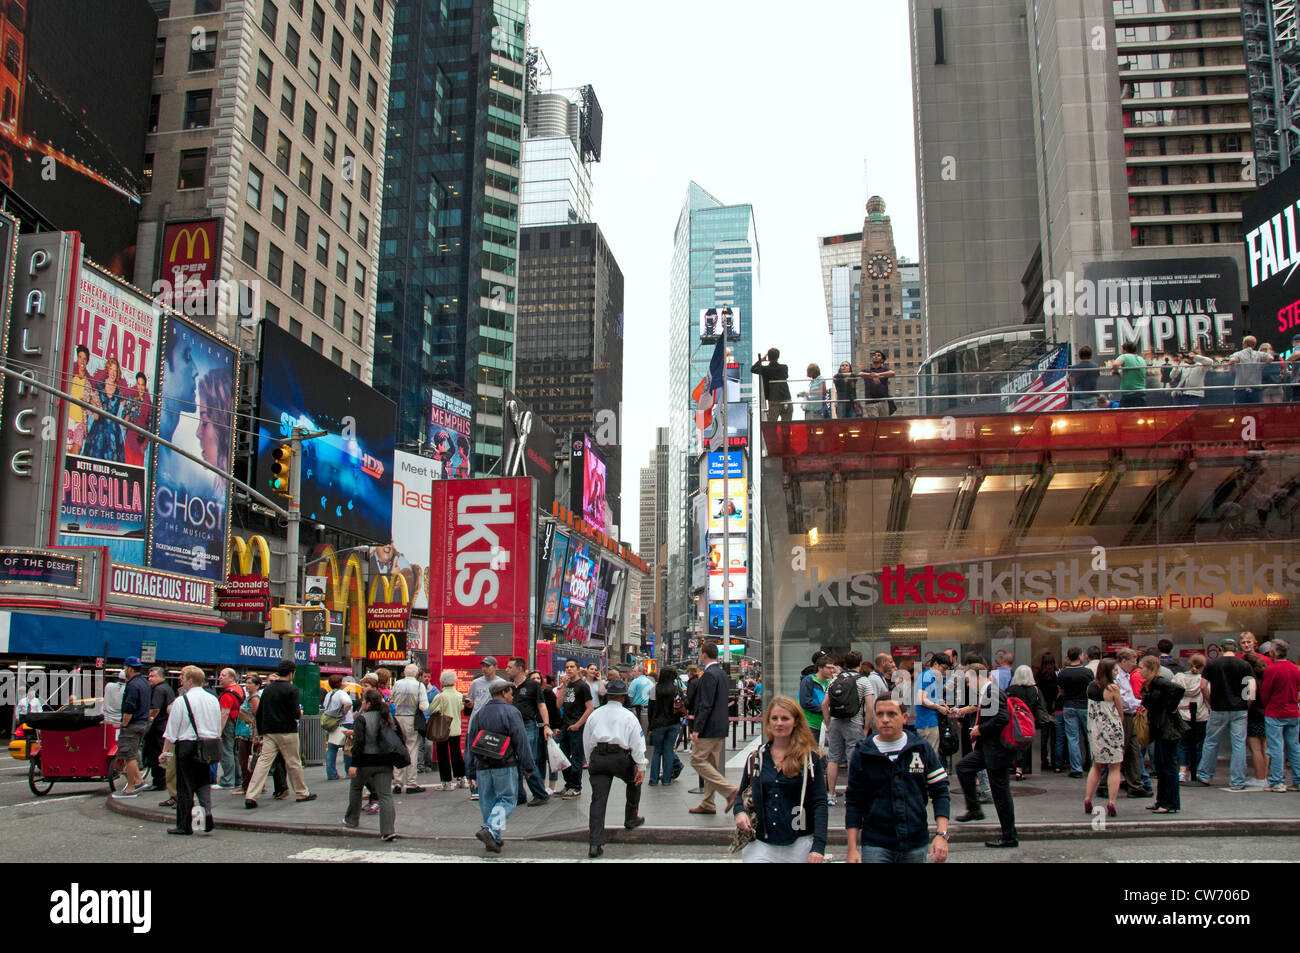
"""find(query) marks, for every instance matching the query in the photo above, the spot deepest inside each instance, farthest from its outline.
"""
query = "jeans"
(1189, 750)
(1058, 739)
(331, 762)
(497, 797)
(379, 779)
(885, 855)
(534, 780)
(1234, 723)
(571, 745)
(1283, 733)
(1076, 724)
(1165, 757)
(229, 773)
(665, 737)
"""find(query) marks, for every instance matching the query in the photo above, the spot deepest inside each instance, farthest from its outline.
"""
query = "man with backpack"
(812, 693)
(999, 733)
(844, 713)
(230, 696)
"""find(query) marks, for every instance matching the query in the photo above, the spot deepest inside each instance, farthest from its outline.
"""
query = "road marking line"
(739, 757)
(341, 855)
(53, 800)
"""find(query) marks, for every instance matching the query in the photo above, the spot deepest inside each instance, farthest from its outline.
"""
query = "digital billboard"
(407, 553)
(587, 474)
(199, 380)
(347, 474)
(111, 365)
(717, 321)
(451, 434)
(734, 462)
(579, 589)
(735, 575)
(555, 579)
(72, 130)
(728, 514)
(738, 617)
(737, 424)
(1268, 218)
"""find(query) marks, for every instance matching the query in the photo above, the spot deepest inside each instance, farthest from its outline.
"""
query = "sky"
(802, 111)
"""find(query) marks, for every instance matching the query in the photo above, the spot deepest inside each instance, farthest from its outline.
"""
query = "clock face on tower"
(880, 266)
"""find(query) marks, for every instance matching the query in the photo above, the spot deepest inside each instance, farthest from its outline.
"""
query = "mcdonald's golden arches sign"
(189, 256)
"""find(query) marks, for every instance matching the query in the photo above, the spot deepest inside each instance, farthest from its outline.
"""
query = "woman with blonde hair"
(781, 801)
(449, 702)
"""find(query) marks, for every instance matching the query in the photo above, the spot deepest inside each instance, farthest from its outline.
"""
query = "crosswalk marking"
(334, 855)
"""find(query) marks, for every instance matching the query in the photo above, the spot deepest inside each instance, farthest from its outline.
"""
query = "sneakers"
(463, 783)
(1256, 783)
(170, 802)
(677, 769)
(372, 808)
(196, 817)
(350, 826)
(491, 843)
(570, 793)
(473, 795)
(1236, 789)
(1279, 788)
(119, 795)
(448, 786)
(830, 800)
(388, 837)
(539, 801)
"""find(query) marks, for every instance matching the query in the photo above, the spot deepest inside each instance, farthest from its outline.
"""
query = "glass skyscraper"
(449, 235)
(715, 262)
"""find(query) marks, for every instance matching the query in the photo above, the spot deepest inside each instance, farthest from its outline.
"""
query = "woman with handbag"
(194, 731)
(666, 711)
(1161, 697)
(780, 806)
(1024, 687)
(1194, 709)
(377, 747)
(445, 713)
(246, 728)
(335, 720)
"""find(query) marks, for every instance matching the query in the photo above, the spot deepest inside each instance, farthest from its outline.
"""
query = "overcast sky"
(795, 109)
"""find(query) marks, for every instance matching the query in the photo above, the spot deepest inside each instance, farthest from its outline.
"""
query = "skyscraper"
(564, 131)
(1271, 55)
(715, 262)
(654, 527)
(448, 250)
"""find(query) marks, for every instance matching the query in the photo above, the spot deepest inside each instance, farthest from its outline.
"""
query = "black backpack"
(843, 694)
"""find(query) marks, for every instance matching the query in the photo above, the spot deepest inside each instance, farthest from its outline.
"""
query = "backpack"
(1019, 731)
(845, 702)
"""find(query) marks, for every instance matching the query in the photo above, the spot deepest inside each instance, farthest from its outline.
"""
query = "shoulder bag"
(740, 839)
(391, 748)
(208, 750)
(327, 721)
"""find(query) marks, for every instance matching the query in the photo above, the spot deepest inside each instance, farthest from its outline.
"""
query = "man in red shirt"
(1279, 687)
(230, 696)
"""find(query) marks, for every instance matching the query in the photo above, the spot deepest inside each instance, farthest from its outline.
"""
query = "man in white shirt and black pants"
(195, 715)
(615, 748)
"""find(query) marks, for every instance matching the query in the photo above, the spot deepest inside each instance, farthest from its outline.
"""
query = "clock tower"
(882, 323)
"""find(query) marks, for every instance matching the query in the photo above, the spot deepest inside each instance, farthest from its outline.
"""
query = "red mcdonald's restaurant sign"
(387, 617)
(189, 258)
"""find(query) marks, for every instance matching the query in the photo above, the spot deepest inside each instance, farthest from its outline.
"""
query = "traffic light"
(281, 461)
(315, 622)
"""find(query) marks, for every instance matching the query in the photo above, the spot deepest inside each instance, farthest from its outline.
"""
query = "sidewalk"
(1047, 808)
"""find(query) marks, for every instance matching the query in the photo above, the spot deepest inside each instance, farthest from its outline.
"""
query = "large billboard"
(407, 553)
(190, 524)
(72, 129)
(718, 321)
(555, 579)
(587, 475)
(347, 474)
(579, 590)
(529, 448)
(1268, 216)
(111, 364)
(727, 514)
(451, 434)
(1166, 305)
(730, 572)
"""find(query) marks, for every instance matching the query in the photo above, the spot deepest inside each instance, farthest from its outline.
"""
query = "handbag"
(1142, 728)
(208, 750)
(392, 747)
(438, 728)
(740, 839)
(421, 722)
(330, 722)
(948, 740)
(1042, 717)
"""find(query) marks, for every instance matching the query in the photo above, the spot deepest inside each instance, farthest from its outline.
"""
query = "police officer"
(615, 748)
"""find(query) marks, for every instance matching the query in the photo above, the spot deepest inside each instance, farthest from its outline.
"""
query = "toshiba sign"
(481, 558)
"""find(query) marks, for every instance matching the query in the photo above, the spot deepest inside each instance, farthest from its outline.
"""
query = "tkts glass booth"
(1030, 533)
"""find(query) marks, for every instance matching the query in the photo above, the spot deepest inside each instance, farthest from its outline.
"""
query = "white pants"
(406, 776)
(757, 852)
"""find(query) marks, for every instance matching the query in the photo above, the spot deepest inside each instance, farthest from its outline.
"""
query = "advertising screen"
(111, 364)
(587, 481)
(408, 551)
(733, 461)
(579, 589)
(716, 321)
(555, 579)
(727, 515)
(736, 576)
(738, 616)
(69, 144)
(737, 424)
(1268, 218)
(604, 589)
(347, 474)
(451, 434)
(197, 413)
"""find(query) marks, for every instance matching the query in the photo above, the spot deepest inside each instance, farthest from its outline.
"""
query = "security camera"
(320, 527)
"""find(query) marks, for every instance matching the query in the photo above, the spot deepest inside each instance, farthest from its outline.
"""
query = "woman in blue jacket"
(784, 784)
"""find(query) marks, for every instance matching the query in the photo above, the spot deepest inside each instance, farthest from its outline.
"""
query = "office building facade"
(654, 529)
(563, 141)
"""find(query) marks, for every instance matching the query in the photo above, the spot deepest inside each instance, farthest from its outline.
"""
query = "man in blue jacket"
(892, 775)
(498, 779)
(710, 733)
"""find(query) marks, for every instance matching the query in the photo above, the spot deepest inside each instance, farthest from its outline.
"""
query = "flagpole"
(726, 516)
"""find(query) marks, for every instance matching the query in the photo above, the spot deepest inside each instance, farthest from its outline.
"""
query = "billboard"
(451, 434)
(579, 590)
(716, 321)
(587, 474)
(1166, 305)
(407, 552)
(189, 260)
(72, 130)
(529, 448)
(734, 576)
(555, 579)
(190, 520)
(111, 364)
(347, 474)
(738, 615)
(734, 462)
(1268, 218)
(737, 424)
(728, 515)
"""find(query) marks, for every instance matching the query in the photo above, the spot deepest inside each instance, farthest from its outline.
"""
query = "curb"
(721, 836)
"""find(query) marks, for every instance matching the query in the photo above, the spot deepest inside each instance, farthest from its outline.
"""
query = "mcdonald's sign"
(246, 591)
(189, 257)
(388, 647)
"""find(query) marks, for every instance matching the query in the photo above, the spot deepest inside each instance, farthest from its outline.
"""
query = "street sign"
(148, 652)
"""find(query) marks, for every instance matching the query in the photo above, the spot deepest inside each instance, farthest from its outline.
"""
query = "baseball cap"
(133, 661)
(1228, 643)
(489, 660)
(499, 685)
(818, 656)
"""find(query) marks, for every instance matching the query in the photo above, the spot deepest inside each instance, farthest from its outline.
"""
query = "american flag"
(1051, 389)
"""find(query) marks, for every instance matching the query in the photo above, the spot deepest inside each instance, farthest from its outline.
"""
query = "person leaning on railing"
(818, 405)
(1188, 377)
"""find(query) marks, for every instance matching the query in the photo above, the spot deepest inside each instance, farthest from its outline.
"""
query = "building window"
(313, 71)
(155, 104)
(318, 300)
(274, 264)
(296, 7)
(263, 80)
(193, 169)
(297, 282)
(318, 22)
(341, 7)
(332, 90)
(159, 55)
(146, 174)
(354, 71)
(327, 143)
(207, 6)
(351, 120)
(309, 122)
(270, 17)
(295, 328)
(253, 193)
(292, 42)
(317, 344)
(283, 152)
(358, 327)
(349, 169)
(378, 9)
(271, 313)
(365, 183)
(323, 247)
(341, 263)
(258, 132)
(358, 23)
(359, 279)
(302, 225)
(287, 96)
(279, 208)
(326, 195)
(368, 137)
(340, 315)
(306, 173)
(374, 46)
(345, 214)
(372, 92)
(336, 47)
(248, 253)
(363, 230)
(203, 55)
(355, 370)
(336, 356)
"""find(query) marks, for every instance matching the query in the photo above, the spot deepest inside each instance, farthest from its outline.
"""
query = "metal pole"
(291, 534)
(726, 522)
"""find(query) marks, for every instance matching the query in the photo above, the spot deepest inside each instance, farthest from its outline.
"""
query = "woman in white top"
(1195, 711)
(1188, 379)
